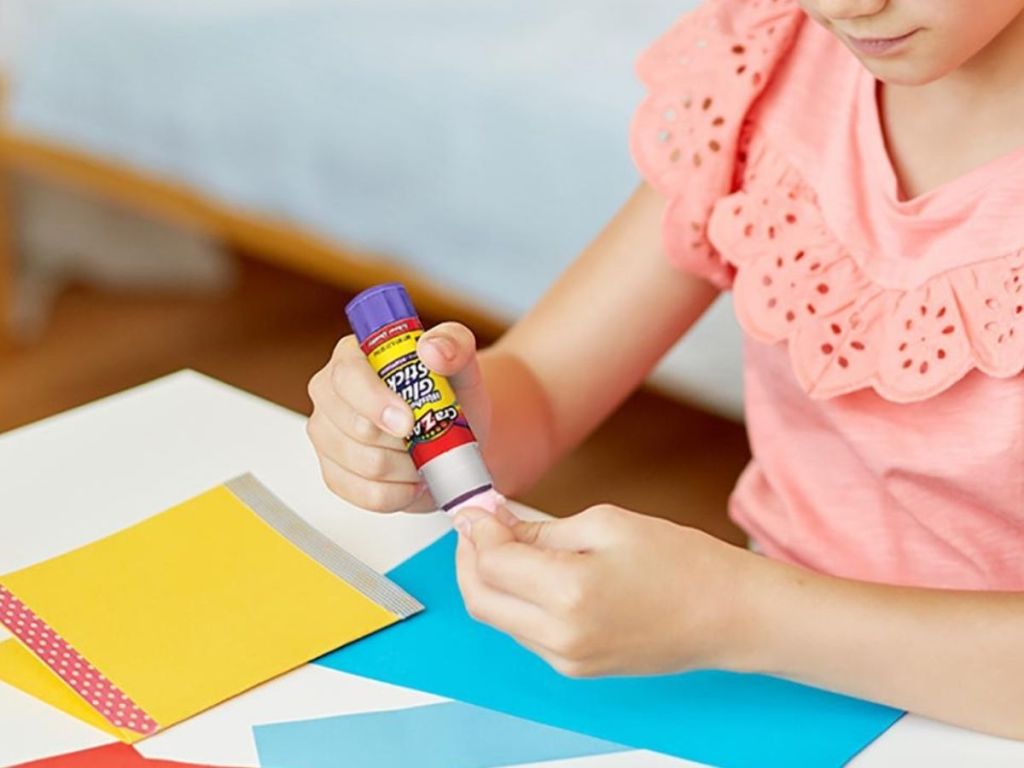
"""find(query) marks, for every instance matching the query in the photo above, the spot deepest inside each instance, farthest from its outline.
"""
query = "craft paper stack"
(149, 626)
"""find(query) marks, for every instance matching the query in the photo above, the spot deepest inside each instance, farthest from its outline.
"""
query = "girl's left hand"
(608, 591)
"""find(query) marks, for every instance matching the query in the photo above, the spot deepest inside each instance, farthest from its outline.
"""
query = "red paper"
(110, 756)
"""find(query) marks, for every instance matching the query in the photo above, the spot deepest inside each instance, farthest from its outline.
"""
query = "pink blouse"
(884, 337)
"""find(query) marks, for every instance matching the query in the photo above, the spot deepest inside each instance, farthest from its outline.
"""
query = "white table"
(92, 471)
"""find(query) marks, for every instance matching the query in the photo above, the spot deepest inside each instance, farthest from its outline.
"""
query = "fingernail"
(444, 346)
(394, 421)
(505, 516)
(464, 520)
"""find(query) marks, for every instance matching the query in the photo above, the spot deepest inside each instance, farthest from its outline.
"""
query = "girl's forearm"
(955, 656)
(520, 444)
(588, 343)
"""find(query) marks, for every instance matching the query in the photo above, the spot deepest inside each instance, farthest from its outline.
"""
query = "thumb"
(483, 528)
(450, 350)
(571, 534)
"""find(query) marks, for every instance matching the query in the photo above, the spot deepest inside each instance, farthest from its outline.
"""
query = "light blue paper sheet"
(442, 735)
(722, 718)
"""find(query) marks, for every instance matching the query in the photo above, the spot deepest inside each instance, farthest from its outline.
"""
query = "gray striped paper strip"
(305, 537)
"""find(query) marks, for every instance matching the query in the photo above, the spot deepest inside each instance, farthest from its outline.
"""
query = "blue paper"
(446, 735)
(723, 718)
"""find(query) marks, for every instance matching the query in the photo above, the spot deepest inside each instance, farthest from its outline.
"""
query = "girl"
(853, 171)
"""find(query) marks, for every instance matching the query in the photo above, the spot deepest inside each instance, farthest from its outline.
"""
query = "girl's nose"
(850, 9)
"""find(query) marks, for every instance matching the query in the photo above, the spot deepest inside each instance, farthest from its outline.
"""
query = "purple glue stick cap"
(378, 306)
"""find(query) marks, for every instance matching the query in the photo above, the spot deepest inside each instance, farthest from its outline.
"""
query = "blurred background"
(205, 183)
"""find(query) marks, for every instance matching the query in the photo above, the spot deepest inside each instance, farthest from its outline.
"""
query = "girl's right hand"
(358, 423)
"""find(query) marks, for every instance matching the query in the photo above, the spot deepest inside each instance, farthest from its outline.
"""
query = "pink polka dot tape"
(88, 682)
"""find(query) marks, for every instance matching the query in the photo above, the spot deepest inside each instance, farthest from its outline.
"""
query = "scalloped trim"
(795, 282)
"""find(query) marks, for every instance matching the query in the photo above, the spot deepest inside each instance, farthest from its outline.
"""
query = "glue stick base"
(457, 475)
(488, 500)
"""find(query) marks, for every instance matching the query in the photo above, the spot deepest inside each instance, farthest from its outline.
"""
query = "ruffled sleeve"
(702, 78)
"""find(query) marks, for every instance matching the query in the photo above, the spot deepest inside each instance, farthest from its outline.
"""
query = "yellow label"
(392, 354)
(428, 394)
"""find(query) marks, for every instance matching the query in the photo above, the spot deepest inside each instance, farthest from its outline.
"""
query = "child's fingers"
(504, 612)
(535, 648)
(422, 503)
(359, 428)
(355, 382)
(483, 528)
(369, 494)
(506, 516)
(543, 578)
(330, 405)
(592, 528)
(450, 350)
(370, 462)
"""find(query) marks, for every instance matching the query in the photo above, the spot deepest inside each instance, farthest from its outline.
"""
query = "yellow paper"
(19, 668)
(189, 608)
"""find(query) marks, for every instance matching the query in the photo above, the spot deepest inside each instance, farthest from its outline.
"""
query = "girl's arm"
(957, 656)
(537, 392)
(587, 344)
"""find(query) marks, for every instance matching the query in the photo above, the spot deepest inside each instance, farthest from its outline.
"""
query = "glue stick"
(441, 444)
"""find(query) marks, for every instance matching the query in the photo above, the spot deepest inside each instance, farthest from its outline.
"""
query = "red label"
(455, 434)
(388, 332)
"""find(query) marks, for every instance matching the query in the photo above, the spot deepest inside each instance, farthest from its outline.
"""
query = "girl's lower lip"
(881, 45)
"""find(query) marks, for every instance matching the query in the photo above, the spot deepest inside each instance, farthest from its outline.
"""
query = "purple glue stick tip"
(378, 307)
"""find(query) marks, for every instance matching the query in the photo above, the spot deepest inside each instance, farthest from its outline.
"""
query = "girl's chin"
(904, 71)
